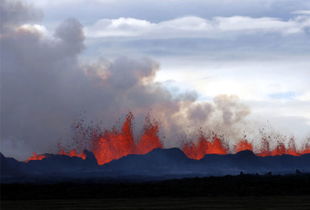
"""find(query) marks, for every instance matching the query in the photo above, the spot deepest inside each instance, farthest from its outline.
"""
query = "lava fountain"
(116, 143)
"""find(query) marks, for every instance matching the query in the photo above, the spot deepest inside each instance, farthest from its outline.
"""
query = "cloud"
(119, 27)
(217, 27)
(15, 13)
(301, 12)
(161, 10)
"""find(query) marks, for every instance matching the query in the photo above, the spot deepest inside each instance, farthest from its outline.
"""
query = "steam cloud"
(45, 87)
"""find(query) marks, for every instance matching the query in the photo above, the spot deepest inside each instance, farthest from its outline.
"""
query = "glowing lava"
(149, 140)
(72, 153)
(35, 156)
(204, 147)
(243, 145)
(306, 149)
(114, 144)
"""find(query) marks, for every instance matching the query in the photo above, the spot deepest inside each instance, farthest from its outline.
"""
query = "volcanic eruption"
(114, 144)
(44, 91)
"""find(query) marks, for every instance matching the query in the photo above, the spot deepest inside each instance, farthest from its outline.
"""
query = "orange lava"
(115, 144)
(279, 150)
(292, 148)
(243, 145)
(35, 156)
(265, 148)
(306, 149)
(149, 140)
(72, 153)
(204, 147)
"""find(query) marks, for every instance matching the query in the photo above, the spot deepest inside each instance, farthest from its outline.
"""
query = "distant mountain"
(158, 164)
(10, 167)
(162, 162)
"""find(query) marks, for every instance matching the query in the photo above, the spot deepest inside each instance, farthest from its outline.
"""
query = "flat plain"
(255, 203)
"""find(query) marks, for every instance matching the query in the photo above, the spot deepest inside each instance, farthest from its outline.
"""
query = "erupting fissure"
(198, 151)
(35, 156)
(72, 153)
(115, 144)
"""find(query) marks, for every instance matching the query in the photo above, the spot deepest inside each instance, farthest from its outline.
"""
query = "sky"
(256, 50)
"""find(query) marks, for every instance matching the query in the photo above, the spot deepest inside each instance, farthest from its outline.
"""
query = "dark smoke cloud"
(45, 87)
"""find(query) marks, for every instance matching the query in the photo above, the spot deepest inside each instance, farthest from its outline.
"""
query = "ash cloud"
(45, 87)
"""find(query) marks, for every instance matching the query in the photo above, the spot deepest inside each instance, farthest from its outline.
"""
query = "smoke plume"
(45, 87)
